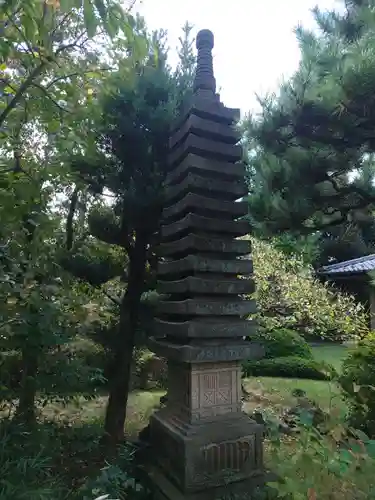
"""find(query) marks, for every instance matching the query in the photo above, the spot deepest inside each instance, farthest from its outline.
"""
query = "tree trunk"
(25, 412)
(119, 382)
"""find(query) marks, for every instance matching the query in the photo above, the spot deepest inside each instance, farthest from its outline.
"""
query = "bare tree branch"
(61, 78)
(68, 46)
(60, 24)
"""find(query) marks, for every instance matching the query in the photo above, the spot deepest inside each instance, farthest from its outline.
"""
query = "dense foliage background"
(86, 101)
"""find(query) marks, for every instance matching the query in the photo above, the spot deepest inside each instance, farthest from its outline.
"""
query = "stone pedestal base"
(164, 489)
(195, 458)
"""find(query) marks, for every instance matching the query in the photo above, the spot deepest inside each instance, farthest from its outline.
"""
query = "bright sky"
(254, 41)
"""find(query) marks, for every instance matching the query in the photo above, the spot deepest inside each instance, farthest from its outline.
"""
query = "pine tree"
(311, 151)
(130, 164)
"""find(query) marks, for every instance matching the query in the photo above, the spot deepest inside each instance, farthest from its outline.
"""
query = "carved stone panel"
(229, 455)
(215, 390)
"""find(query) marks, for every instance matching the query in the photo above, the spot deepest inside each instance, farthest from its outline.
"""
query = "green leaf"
(53, 126)
(68, 5)
(346, 457)
(370, 448)
(113, 23)
(99, 4)
(91, 21)
(361, 435)
(94, 74)
(30, 27)
(306, 418)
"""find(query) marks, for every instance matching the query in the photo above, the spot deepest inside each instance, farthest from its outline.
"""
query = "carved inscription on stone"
(229, 455)
(224, 353)
(214, 390)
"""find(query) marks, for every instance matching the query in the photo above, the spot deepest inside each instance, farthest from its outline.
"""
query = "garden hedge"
(287, 366)
(282, 342)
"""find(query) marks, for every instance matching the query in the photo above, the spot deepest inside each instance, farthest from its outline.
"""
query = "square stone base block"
(164, 489)
(209, 454)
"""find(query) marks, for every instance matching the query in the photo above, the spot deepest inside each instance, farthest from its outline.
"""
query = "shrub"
(151, 368)
(282, 342)
(116, 480)
(26, 462)
(289, 296)
(287, 366)
(314, 465)
(358, 383)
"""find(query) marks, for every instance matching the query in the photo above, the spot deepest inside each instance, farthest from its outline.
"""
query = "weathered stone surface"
(207, 353)
(198, 164)
(203, 327)
(207, 286)
(198, 263)
(224, 454)
(216, 111)
(201, 438)
(204, 74)
(199, 204)
(207, 128)
(194, 243)
(198, 145)
(195, 223)
(207, 307)
(164, 489)
(194, 183)
(211, 109)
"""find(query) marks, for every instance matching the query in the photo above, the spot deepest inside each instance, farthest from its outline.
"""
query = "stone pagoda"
(201, 442)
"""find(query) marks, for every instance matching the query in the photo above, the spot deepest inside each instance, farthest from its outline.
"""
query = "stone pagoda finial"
(204, 76)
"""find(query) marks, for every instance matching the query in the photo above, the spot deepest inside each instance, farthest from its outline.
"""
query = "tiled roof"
(354, 266)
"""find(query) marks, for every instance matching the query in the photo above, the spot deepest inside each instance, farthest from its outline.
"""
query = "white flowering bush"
(289, 296)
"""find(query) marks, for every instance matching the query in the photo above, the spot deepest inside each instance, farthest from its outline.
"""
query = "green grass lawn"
(271, 394)
(331, 353)
(265, 391)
